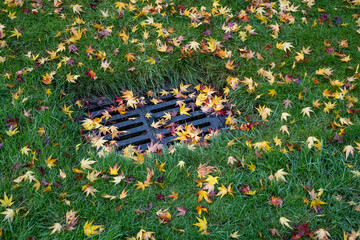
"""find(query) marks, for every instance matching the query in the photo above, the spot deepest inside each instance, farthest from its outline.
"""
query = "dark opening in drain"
(187, 120)
(161, 109)
(202, 125)
(191, 119)
(191, 112)
(130, 126)
(121, 119)
(168, 98)
(95, 109)
(131, 135)
(164, 99)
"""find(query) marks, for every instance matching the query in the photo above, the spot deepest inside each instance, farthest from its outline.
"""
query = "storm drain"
(136, 126)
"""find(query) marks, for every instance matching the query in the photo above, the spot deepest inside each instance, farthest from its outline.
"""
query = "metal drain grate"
(135, 125)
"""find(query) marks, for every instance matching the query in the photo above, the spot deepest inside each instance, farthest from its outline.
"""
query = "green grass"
(326, 168)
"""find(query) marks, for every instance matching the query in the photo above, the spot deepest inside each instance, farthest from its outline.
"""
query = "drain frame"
(145, 134)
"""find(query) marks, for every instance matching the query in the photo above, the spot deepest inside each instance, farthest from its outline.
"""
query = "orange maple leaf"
(130, 57)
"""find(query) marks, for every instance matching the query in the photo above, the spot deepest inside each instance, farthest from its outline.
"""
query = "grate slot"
(131, 135)
(112, 121)
(130, 126)
(134, 129)
(165, 99)
(169, 98)
(101, 107)
(188, 120)
(169, 105)
(97, 107)
(159, 115)
(202, 125)
(137, 140)
(99, 112)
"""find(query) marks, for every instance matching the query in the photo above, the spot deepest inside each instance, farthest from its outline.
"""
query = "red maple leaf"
(91, 74)
(276, 201)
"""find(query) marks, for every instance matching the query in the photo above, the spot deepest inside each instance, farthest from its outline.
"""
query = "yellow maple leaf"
(285, 222)
(90, 229)
(284, 46)
(230, 65)
(348, 150)
(284, 116)
(284, 128)
(272, 92)
(203, 195)
(155, 125)
(212, 44)
(50, 162)
(151, 60)
(300, 56)
(9, 214)
(345, 59)
(67, 110)
(251, 166)
(235, 235)
(77, 8)
(202, 224)
(140, 185)
(123, 194)
(6, 202)
(16, 33)
(211, 180)
(264, 112)
(279, 175)
(12, 131)
(98, 142)
(322, 234)
(114, 170)
(89, 190)
(25, 150)
(223, 190)
(57, 227)
(193, 45)
(311, 141)
(184, 110)
(160, 167)
(316, 204)
(329, 106)
(216, 3)
(277, 141)
(144, 235)
(85, 163)
(306, 111)
(120, 5)
(324, 71)
(12, 15)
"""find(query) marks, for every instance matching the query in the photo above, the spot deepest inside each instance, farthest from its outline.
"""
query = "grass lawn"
(286, 74)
